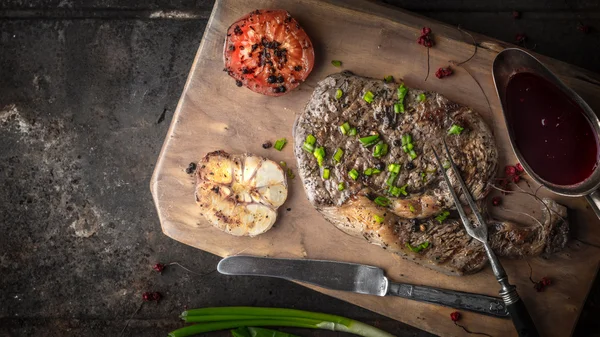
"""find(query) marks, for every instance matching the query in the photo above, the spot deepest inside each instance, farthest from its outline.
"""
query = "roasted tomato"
(268, 52)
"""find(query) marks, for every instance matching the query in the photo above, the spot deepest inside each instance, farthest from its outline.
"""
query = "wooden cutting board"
(371, 40)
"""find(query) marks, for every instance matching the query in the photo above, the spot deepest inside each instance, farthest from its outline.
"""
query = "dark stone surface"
(87, 92)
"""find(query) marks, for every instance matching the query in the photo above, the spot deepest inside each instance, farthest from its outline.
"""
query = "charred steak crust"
(407, 221)
(474, 150)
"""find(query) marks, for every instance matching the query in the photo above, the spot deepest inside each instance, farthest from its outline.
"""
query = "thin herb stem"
(476, 81)
(427, 76)
(523, 213)
(190, 271)
(472, 332)
(474, 44)
(550, 211)
(130, 318)
(530, 273)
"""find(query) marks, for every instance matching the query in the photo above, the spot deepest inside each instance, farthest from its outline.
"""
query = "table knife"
(358, 278)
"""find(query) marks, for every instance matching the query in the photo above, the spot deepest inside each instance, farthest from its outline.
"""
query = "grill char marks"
(352, 210)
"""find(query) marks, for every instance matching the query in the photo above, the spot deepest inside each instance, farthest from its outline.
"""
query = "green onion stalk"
(213, 319)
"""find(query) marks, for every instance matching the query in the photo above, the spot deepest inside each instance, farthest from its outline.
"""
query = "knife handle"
(482, 304)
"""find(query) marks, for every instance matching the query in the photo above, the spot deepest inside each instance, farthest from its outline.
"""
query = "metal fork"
(515, 306)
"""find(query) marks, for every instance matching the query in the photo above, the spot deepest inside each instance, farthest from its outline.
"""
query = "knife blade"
(358, 278)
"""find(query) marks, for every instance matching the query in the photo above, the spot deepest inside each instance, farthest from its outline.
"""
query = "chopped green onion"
(394, 168)
(398, 108)
(310, 139)
(418, 248)
(337, 156)
(405, 148)
(213, 319)
(412, 154)
(353, 174)
(308, 148)
(380, 150)
(402, 90)
(403, 190)
(283, 164)
(338, 93)
(341, 186)
(290, 174)
(411, 208)
(371, 171)
(320, 155)
(391, 179)
(344, 128)
(455, 129)
(423, 176)
(384, 151)
(388, 79)
(326, 173)
(382, 201)
(377, 218)
(442, 216)
(368, 97)
(446, 165)
(396, 191)
(369, 140)
(406, 139)
(280, 143)
(352, 132)
(421, 98)
(410, 146)
(336, 63)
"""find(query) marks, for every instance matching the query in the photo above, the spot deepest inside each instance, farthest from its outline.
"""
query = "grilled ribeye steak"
(404, 223)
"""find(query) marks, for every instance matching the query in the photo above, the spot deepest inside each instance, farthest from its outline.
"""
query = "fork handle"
(521, 319)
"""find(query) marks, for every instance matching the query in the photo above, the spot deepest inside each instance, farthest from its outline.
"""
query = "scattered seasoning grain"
(159, 267)
(519, 168)
(521, 38)
(443, 72)
(151, 296)
(510, 170)
(191, 168)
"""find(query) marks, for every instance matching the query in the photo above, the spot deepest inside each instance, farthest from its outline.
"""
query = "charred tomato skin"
(268, 52)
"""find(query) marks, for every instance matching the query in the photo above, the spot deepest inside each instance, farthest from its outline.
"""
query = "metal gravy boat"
(513, 60)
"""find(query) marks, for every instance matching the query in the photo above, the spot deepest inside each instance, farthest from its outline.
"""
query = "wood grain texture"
(372, 40)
